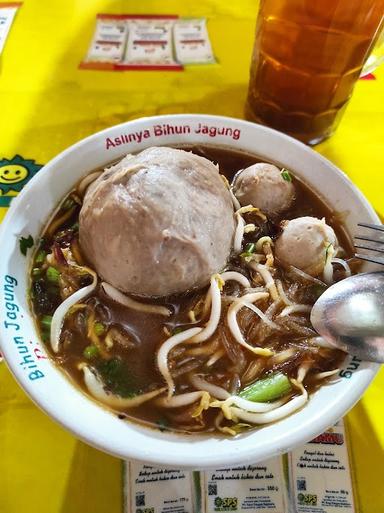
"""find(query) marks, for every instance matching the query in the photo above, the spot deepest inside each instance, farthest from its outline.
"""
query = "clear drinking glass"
(307, 57)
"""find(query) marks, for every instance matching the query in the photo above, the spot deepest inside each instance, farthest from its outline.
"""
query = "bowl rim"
(312, 427)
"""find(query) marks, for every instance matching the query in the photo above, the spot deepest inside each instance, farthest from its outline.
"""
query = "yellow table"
(47, 103)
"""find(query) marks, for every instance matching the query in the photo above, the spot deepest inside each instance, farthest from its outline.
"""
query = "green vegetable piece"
(53, 274)
(117, 377)
(68, 203)
(162, 424)
(91, 352)
(248, 250)
(46, 322)
(286, 175)
(40, 257)
(99, 328)
(267, 389)
(36, 272)
(25, 243)
(75, 227)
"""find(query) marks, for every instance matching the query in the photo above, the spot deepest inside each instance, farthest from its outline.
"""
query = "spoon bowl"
(350, 315)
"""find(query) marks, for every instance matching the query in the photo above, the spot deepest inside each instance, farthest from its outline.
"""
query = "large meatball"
(263, 186)
(303, 243)
(157, 223)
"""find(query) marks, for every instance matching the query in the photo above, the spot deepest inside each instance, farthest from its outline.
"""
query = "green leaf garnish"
(25, 243)
(248, 250)
(286, 175)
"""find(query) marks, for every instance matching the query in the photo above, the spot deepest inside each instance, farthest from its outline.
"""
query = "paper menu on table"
(259, 487)
(159, 490)
(7, 15)
(320, 475)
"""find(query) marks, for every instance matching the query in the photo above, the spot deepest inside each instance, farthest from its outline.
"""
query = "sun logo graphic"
(14, 174)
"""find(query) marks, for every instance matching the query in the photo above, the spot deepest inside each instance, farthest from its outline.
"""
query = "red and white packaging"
(192, 44)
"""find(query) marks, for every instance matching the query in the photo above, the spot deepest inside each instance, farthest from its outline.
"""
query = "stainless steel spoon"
(350, 315)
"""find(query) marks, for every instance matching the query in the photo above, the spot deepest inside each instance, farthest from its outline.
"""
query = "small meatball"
(303, 244)
(263, 186)
(157, 223)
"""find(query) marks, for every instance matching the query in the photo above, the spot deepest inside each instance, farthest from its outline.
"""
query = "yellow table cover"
(46, 104)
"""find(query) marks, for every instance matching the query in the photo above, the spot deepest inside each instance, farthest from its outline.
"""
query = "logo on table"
(14, 174)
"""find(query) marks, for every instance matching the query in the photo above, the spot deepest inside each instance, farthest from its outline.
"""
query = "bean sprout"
(166, 347)
(86, 182)
(214, 318)
(271, 416)
(326, 374)
(294, 309)
(263, 240)
(262, 316)
(249, 228)
(344, 264)
(180, 400)
(235, 276)
(328, 268)
(215, 391)
(234, 327)
(246, 405)
(96, 388)
(267, 277)
(121, 298)
(239, 233)
(215, 357)
(235, 201)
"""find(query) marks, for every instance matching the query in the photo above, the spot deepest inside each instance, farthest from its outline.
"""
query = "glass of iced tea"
(307, 57)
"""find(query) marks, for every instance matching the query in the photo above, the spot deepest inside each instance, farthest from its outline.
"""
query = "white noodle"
(271, 416)
(294, 309)
(282, 293)
(235, 201)
(180, 400)
(306, 276)
(167, 346)
(235, 276)
(267, 277)
(263, 240)
(239, 233)
(246, 405)
(121, 298)
(328, 268)
(234, 327)
(86, 182)
(262, 316)
(62, 310)
(214, 318)
(326, 374)
(344, 264)
(96, 388)
(214, 390)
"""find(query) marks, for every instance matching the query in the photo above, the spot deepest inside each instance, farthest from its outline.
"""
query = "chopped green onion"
(46, 322)
(286, 175)
(162, 424)
(75, 227)
(99, 328)
(53, 274)
(40, 257)
(36, 272)
(91, 352)
(177, 330)
(248, 250)
(267, 389)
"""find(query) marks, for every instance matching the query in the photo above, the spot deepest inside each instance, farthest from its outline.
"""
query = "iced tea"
(307, 57)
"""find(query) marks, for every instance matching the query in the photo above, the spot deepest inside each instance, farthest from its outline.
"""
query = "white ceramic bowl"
(54, 393)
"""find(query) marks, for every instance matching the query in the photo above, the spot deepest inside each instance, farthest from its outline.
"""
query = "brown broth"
(142, 334)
